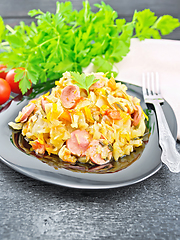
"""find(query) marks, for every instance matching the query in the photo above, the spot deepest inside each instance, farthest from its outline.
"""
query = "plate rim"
(20, 169)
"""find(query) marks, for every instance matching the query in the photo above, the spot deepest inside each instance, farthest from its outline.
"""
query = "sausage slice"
(78, 142)
(69, 96)
(98, 84)
(137, 115)
(43, 103)
(95, 152)
(26, 111)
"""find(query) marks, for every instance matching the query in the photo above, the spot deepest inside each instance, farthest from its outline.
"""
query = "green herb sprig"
(70, 40)
(83, 81)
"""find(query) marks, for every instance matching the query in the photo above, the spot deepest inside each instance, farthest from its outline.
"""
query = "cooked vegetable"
(83, 126)
(70, 40)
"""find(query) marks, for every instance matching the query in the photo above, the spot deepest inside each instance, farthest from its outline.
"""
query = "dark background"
(14, 11)
(30, 209)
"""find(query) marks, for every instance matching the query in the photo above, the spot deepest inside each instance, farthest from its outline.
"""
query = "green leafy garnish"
(70, 40)
(147, 25)
(83, 81)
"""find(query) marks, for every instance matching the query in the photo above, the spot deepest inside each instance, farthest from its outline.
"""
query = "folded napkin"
(155, 55)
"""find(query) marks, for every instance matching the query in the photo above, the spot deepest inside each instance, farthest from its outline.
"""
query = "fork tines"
(150, 82)
(151, 87)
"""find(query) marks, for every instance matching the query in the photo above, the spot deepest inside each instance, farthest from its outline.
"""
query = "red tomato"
(5, 91)
(10, 79)
(3, 73)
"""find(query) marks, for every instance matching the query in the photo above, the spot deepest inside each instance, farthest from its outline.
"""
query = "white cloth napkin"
(152, 55)
(155, 55)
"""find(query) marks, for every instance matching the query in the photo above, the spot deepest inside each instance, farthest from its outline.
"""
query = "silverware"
(151, 93)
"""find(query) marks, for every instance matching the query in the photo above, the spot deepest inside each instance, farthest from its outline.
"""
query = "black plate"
(148, 164)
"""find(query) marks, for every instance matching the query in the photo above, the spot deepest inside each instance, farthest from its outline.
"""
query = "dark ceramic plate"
(147, 165)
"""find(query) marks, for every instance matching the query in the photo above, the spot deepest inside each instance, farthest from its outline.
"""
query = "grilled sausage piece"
(69, 96)
(26, 111)
(78, 142)
(98, 154)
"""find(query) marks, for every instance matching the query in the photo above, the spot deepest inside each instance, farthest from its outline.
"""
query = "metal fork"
(151, 93)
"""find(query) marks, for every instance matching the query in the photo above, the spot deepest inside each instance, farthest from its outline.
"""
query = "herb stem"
(40, 45)
(4, 44)
(86, 12)
(10, 29)
(70, 40)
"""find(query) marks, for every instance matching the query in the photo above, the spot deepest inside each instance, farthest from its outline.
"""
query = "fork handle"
(170, 155)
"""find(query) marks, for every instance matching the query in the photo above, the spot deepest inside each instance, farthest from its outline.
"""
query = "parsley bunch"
(70, 40)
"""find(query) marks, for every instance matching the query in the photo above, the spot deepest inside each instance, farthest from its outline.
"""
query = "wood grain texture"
(15, 11)
(34, 210)
(20, 8)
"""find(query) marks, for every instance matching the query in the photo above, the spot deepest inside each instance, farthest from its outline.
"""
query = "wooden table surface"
(15, 11)
(30, 209)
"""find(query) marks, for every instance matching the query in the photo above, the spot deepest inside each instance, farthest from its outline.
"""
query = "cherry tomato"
(3, 73)
(5, 91)
(10, 79)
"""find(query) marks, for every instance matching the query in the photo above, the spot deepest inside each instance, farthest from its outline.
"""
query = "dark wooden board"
(15, 11)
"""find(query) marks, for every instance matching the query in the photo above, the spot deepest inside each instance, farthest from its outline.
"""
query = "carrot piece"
(66, 115)
(88, 114)
(38, 147)
(112, 83)
(113, 114)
